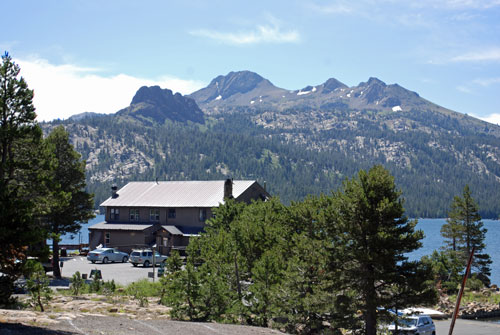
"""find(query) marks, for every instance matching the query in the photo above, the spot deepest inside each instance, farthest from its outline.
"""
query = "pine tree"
(71, 204)
(22, 174)
(375, 236)
(464, 219)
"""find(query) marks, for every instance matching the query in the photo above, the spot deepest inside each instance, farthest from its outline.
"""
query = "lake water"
(432, 241)
(82, 236)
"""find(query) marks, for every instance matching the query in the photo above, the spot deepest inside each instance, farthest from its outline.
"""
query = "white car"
(415, 325)
(145, 257)
(106, 255)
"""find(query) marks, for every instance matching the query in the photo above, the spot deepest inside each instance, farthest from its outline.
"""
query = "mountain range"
(300, 142)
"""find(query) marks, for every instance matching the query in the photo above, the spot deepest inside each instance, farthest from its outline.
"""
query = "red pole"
(459, 297)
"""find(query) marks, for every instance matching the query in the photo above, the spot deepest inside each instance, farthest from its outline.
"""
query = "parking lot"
(121, 273)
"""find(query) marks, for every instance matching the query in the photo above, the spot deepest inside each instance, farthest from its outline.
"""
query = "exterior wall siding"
(184, 216)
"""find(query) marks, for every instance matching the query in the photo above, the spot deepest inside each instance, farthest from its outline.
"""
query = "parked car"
(145, 257)
(106, 255)
(415, 325)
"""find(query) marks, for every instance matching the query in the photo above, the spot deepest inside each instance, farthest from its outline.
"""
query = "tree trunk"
(55, 255)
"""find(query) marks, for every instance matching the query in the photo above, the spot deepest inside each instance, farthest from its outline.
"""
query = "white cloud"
(487, 81)
(368, 6)
(67, 89)
(339, 7)
(492, 54)
(492, 118)
(465, 4)
(464, 89)
(268, 33)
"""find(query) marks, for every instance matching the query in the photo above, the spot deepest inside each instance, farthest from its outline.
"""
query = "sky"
(93, 55)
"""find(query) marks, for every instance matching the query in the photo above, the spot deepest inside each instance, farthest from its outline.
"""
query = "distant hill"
(77, 117)
(299, 142)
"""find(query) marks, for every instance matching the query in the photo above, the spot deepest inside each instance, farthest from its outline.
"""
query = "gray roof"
(175, 193)
(172, 230)
(120, 226)
(183, 230)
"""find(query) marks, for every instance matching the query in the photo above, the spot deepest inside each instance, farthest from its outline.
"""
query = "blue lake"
(83, 235)
(432, 241)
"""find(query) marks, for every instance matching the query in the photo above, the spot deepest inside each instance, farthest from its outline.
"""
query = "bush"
(38, 284)
(143, 289)
(77, 284)
(109, 287)
(474, 284)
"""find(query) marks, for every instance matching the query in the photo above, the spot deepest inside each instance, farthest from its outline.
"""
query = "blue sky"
(93, 55)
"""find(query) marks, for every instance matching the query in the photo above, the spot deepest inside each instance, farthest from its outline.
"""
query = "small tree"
(71, 204)
(38, 285)
(77, 283)
(468, 232)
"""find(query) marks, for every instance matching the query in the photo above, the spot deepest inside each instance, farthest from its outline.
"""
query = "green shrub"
(474, 284)
(38, 284)
(77, 283)
(96, 284)
(143, 289)
(109, 287)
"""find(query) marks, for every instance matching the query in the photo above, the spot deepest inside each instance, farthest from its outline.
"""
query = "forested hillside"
(306, 145)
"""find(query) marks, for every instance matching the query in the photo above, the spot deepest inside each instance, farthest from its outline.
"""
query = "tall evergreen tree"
(465, 221)
(375, 236)
(71, 204)
(21, 173)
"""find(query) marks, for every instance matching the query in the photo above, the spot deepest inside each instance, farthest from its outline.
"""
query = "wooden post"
(459, 297)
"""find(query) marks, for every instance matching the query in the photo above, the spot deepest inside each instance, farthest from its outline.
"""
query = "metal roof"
(183, 230)
(175, 193)
(119, 226)
(172, 230)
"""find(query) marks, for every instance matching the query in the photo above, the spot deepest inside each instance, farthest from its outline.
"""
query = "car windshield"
(407, 322)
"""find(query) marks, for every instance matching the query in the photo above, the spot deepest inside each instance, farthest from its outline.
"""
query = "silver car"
(414, 324)
(106, 255)
(145, 257)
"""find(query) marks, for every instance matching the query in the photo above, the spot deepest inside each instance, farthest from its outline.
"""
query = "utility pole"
(154, 262)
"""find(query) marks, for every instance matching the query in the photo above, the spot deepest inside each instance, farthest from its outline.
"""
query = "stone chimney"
(114, 188)
(228, 189)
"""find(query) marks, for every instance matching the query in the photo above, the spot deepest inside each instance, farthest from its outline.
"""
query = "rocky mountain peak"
(234, 86)
(236, 82)
(331, 84)
(373, 81)
(161, 104)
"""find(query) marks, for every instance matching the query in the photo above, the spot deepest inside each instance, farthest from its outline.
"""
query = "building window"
(203, 214)
(171, 213)
(115, 214)
(154, 215)
(134, 214)
(106, 238)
